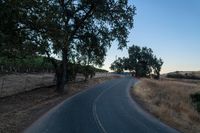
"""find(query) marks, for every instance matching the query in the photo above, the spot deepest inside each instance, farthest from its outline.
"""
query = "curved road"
(105, 108)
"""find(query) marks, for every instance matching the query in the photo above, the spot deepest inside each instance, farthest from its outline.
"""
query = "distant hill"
(184, 75)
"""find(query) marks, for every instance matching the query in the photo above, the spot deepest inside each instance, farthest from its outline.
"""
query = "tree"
(118, 65)
(134, 59)
(157, 64)
(141, 62)
(91, 51)
(58, 27)
(108, 20)
(12, 37)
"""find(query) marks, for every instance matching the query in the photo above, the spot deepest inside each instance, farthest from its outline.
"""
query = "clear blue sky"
(171, 28)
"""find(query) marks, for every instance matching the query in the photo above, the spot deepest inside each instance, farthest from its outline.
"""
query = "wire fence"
(17, 83)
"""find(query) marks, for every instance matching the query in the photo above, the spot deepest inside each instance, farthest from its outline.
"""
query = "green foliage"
(141, 62)
(28, 64)
(182, 75)
(97, 70)
(71, 29)
(88, 71)
(13, 35)
(117, 65)
(196, 100)
(43, 64)
(91, 51)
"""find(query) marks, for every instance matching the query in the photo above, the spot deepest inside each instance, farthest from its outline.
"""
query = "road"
(105, 108)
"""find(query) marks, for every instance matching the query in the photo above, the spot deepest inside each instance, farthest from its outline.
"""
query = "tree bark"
(59, 69)
(62, 73)
(58, 78)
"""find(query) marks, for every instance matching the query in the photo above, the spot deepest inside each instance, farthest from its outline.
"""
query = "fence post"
(2, 84)
(43, 79)
(25, 84)
(1, 68)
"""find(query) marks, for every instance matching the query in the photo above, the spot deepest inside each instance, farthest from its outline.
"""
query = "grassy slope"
(184, 74)
(169, 100)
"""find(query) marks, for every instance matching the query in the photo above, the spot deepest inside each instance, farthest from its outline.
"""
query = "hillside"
(184, 75)
(170, 100)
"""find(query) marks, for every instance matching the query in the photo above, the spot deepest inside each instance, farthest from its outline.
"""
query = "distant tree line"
(76, 31)
(25, 65)
(38, 64)
(182, 75)
(141, 63)
(195, 98)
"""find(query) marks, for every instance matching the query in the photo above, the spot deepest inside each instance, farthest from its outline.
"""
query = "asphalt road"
(105, 108)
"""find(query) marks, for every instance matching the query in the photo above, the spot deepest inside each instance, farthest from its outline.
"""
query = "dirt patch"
(169, 101)
(19, 111)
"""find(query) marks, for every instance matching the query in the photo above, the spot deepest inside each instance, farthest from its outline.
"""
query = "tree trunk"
(157, 75)
(62, 73)
(86, 78)
(58, 77)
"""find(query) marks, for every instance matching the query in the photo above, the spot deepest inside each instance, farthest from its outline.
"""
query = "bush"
(196, 100)
(183, 76)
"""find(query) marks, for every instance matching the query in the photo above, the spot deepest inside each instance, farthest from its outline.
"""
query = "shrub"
(196, 100)
(183, 76)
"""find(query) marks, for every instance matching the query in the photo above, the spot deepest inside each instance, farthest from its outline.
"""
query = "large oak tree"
(62, 27)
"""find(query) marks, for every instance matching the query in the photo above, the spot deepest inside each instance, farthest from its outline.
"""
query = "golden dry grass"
(170, 101)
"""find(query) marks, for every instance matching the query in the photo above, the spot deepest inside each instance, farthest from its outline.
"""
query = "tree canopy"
(118, 65)
(75, 30)
(141, 62)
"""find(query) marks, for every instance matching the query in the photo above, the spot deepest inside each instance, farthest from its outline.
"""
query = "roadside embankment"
(15, 83)
(169, 100)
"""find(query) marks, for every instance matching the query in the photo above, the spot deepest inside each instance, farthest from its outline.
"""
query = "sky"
(171, 28)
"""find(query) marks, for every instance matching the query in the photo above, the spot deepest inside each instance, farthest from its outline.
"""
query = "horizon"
(170, 29)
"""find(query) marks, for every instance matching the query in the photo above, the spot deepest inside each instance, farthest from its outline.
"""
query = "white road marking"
(94, 109)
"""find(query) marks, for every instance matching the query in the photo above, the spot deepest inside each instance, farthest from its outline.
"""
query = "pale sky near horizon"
(171, 28)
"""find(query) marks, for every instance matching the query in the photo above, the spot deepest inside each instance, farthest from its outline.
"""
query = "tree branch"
(81, 22)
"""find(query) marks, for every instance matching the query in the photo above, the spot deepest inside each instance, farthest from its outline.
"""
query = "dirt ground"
(19, 111)
(169, 100)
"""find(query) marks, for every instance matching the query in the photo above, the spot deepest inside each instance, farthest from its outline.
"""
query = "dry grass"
(169, 100)
(16, 83)
(12, 84)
